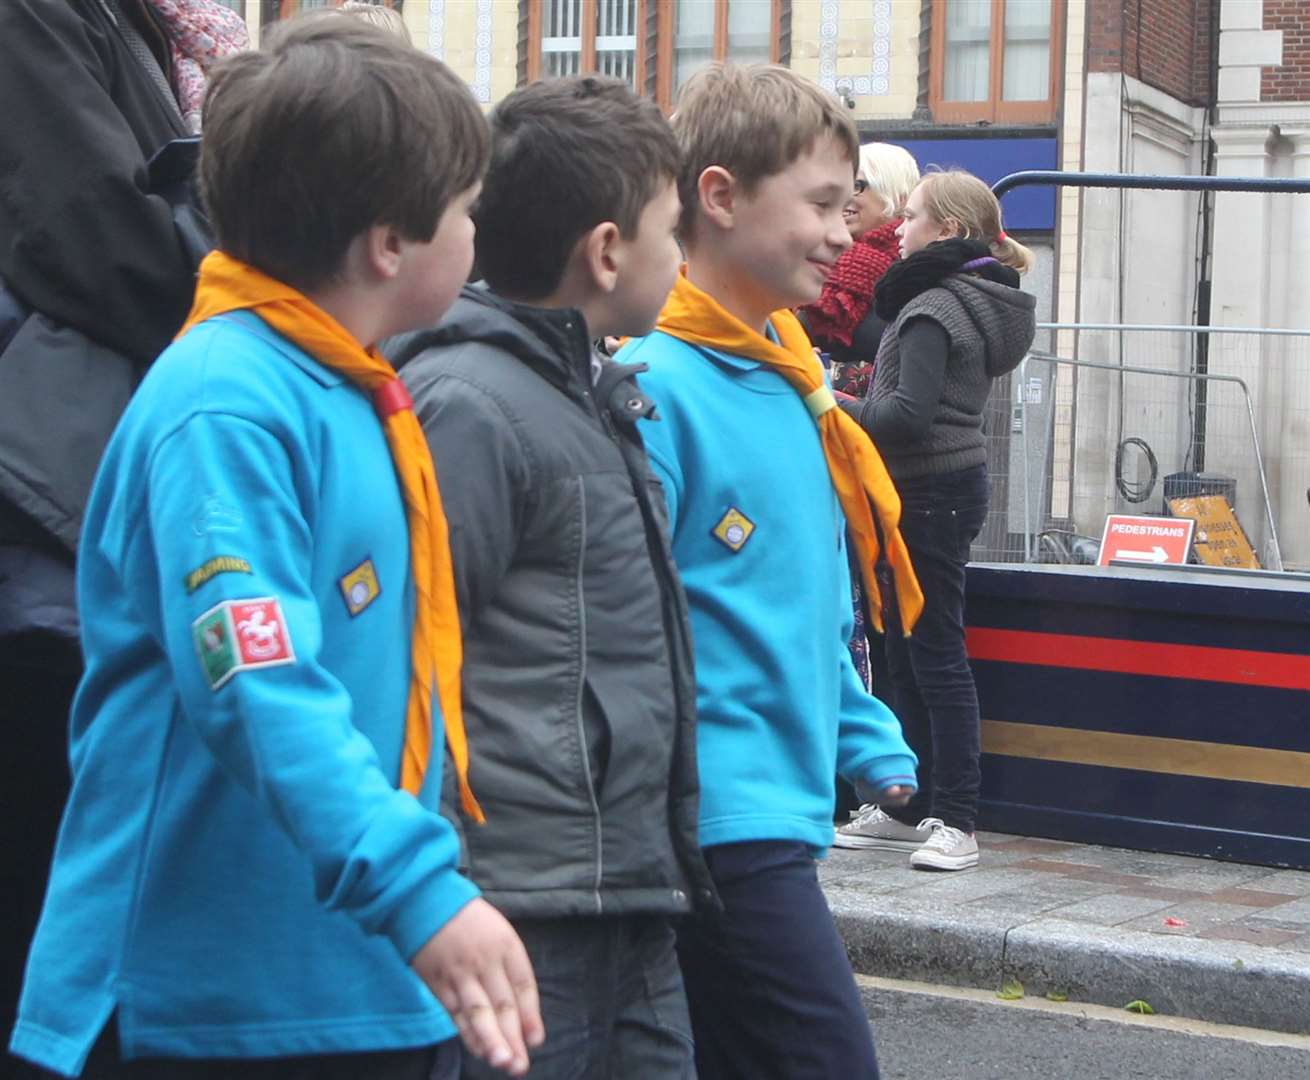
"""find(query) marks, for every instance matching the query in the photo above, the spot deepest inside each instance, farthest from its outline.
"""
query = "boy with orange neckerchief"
(251, 866)
(762, 474)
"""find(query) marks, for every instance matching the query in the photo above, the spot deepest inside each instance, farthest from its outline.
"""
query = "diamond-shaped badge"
(360, 587)
(733, 530)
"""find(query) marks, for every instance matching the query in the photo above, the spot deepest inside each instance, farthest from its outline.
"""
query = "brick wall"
(1164, 43)
(1290, 81)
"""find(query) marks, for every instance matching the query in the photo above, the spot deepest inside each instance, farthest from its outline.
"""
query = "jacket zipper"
(582, 683)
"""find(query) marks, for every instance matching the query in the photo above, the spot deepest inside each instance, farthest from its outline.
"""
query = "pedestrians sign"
(1147, 540)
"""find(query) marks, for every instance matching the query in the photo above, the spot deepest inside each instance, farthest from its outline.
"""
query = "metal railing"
(1049, 442)
(1239, 409)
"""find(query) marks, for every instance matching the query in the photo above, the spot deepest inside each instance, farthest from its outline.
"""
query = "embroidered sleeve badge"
(220, 564)
(360, 587)
(733, 530)
(240, 634)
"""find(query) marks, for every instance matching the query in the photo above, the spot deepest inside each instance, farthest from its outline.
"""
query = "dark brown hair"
(754, 121)
(334, 126)
(566, 155)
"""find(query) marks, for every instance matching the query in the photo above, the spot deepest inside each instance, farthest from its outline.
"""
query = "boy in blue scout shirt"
(251, 867)
(579, 688)
(761, 474)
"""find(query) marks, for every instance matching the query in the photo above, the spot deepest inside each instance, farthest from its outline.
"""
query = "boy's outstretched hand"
(480, 972)
(896, 795)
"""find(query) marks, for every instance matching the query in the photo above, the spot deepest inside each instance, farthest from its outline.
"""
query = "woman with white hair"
(842, 322)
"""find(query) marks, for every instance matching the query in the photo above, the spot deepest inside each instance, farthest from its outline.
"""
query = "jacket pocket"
(596, 737)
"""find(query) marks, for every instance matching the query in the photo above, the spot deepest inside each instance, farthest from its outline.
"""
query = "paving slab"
(1216, 941)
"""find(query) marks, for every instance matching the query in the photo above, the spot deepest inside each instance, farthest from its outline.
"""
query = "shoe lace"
(944, 837)
(869, 812)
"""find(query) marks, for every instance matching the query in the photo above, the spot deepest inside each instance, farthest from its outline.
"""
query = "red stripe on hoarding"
(1204, 663)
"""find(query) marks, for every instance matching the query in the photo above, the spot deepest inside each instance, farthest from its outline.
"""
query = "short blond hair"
(959, 196)
(891, 172)
(379, 15)
(753, 120)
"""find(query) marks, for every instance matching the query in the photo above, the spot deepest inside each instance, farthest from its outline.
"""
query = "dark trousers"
(770, 987)
(440, 1062)
(611, 999)
(38, 675)
(933, 692)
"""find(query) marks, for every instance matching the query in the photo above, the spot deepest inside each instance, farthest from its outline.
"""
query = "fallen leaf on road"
(1011, 990)
(1171, 921)
(1140, 1006)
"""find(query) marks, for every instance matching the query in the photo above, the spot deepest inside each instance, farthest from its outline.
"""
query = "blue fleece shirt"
(759, 539)
(237, 874)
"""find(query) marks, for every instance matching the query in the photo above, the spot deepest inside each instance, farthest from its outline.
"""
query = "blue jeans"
(933, 692)
(611, 1000)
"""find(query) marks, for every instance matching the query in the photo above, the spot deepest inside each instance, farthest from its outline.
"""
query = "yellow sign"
(1219, 538)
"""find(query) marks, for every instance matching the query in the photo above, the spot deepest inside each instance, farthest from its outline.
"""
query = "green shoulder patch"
(215, 639)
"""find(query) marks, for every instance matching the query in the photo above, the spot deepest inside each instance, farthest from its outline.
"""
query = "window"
(284, 9)
(995, 60)
(653, 44)
(589, 35)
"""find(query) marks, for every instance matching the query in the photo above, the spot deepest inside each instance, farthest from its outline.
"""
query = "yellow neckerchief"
(226, 284)
(857, 470)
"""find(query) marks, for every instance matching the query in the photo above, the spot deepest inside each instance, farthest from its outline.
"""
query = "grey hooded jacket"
(579, 693)
(986, 329)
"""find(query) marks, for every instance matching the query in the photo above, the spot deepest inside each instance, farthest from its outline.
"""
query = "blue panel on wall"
(991, 159)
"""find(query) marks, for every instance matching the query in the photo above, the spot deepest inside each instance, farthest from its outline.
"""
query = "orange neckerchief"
(226, 284)
(858, 473)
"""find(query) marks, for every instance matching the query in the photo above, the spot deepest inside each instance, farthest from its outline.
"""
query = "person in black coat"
(96, 276)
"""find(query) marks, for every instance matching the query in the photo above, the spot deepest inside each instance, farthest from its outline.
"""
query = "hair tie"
(1001, 237)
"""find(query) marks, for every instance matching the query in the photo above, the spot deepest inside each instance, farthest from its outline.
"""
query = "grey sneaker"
(869, 827)
(946, 849)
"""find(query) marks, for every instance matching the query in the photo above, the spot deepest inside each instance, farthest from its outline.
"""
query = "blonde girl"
(957, 320)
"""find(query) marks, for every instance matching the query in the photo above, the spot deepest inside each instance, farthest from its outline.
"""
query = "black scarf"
(927, 268)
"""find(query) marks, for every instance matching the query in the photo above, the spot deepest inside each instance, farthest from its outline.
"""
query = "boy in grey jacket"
(578, 687)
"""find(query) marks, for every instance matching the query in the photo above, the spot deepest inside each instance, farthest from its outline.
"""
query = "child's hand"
(896, 795)
(479, 971)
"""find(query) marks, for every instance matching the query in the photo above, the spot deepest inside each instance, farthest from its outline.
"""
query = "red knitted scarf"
(848, 292)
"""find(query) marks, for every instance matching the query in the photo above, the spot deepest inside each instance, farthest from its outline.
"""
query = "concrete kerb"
(1226, 982)
(1217, 981)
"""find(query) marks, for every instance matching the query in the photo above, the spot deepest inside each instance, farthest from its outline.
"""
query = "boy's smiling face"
(787, 234)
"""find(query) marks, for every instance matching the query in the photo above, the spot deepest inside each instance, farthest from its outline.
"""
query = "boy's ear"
(716, 188)
(383, 250)
(599, 253)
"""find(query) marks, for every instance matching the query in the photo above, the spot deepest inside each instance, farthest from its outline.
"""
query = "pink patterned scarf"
(199, 32)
